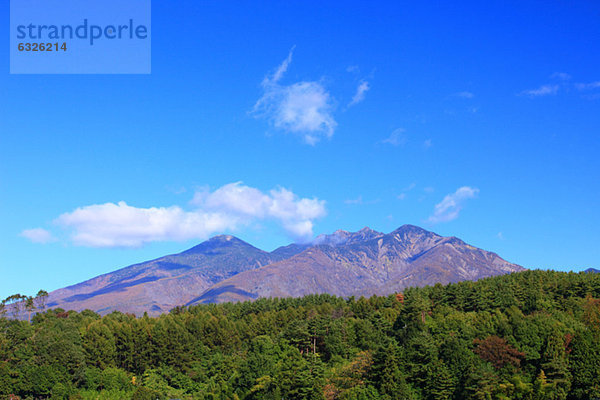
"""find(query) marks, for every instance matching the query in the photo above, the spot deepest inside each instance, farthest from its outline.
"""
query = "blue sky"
(279, 122)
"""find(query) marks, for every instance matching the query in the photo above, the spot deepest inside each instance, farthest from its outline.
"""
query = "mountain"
(592, 271)
(159, 285)
(363, 263)
(226, 268)
(341, 237)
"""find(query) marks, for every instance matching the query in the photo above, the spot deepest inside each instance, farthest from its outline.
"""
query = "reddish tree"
(400, 297)
(495, 350)
(568, 340)
(64, 314)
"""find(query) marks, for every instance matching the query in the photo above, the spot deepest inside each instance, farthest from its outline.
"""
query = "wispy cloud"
(564, 85)
(449, 208)
(588, 86)
(544, 90)
(427, 143)
(396, 138)
(359, 96)
(228, 208)
(303, 108)
(410, 187)
(563, 76)
(405, 191)
(358, 200)
(38, 235)
(465, 95)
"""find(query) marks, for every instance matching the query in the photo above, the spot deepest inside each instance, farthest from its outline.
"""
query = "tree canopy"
(529, 335)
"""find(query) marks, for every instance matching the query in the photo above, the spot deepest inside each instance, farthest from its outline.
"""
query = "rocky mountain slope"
(364, 263)
(159, 285)
(225, 268)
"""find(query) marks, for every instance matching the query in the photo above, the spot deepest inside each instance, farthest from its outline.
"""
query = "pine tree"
(556, 368)
(441, 383)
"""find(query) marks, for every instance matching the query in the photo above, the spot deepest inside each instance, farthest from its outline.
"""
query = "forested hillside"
(528, 335)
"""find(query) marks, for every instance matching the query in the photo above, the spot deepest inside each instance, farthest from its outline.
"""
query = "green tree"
(40, 300)
(555, 367)
(585, 365)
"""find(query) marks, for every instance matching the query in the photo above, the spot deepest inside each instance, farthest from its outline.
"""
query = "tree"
(387, 375)
(99, 345)
(14, 303)
(555, 367)
(29, 306)
(144, 393)
(441, 383)
(540, 386)
(585, 365)
(496, 351)
(40, 300)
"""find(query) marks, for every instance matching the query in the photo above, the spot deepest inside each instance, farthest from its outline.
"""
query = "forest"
(528, 335)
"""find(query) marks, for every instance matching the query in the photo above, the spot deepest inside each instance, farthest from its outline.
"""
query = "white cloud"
(38, 235)
(227, 208)
(500, 236)
(465, 95)
(396, 138)
(410, 187)
(407, 189)
(359, 96)
(303, 108)
(588, 86)
(247, 203)
(358, 200)
(449, 208)
(563, 84)
(278, 74)
(560, 76)
(543, 90)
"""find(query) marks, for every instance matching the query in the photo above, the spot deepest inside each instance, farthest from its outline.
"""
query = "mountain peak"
(343, 263)
(408, 229)
(366, 229)
(341, 237)
(364, 263)
(223, 238)
(340, 232)
(216, 242)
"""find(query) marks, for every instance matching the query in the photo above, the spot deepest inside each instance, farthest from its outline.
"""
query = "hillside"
(226, 268)
(364, 263)
(528, 335)
(157, 286)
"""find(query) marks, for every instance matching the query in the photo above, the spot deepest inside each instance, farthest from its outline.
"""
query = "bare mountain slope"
(157, 286)
(376, 264)
(225, 268)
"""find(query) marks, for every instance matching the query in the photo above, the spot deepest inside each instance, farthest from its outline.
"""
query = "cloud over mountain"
(226, 209)
(449, 208)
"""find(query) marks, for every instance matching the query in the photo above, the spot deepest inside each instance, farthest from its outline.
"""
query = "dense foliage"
(529, 335)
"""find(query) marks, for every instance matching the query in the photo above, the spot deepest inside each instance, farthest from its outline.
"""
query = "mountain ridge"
(226, 268)
(381, 264)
